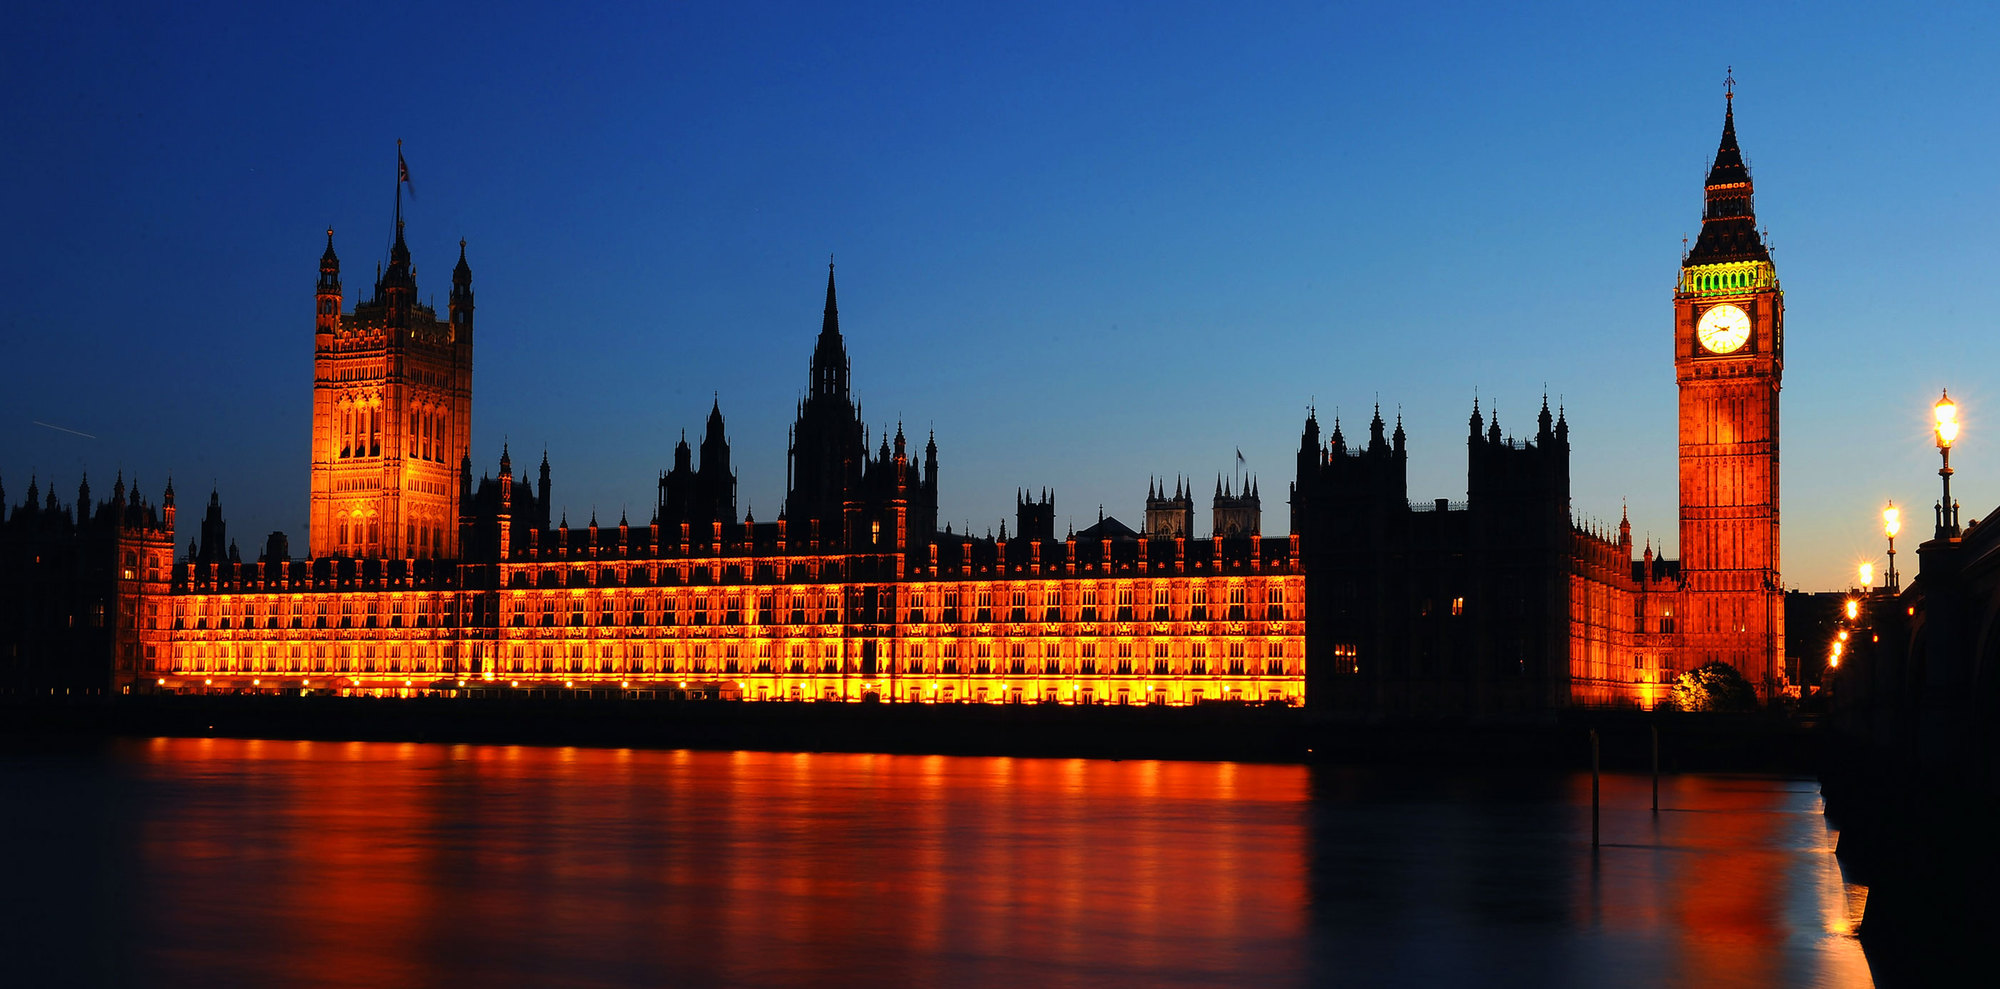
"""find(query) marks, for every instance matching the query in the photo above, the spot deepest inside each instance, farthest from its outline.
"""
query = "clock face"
(1723, 329)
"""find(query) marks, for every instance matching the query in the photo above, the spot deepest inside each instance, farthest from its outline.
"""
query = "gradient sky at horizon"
(1087, 244)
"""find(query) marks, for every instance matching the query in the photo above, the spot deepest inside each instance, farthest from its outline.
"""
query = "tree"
(1715, 687)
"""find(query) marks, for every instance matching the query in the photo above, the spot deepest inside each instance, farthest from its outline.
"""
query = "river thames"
(184, 862)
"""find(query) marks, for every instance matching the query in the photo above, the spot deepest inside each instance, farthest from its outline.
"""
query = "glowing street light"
(1892, 523)
(1867, 576)
(1945, 412)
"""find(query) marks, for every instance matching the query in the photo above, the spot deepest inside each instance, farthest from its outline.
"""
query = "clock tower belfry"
(1729, 357)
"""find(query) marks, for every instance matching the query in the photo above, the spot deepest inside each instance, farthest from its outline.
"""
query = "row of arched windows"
(1724, 280)
(355, 532)
(359, 427)
(430, 434)
(359, 532)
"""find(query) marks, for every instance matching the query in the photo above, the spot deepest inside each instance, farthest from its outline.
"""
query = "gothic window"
(1346, 659)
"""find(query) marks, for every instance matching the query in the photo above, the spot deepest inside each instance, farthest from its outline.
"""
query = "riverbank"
(1923, 846)
(1687, 743)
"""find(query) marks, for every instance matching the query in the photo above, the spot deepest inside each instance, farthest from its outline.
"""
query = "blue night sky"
(1087, 245)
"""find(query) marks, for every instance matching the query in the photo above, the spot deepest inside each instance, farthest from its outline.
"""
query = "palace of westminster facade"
(420, 579)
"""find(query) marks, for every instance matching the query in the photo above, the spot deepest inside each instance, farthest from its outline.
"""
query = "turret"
(398, 286)
(1309, 448)
(542, 491)
(328, 318)
(461, 297)
(716, 488)
(214, 532)
(505, 516)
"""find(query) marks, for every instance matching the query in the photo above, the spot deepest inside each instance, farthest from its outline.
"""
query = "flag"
(403, 170)
(1239, 454)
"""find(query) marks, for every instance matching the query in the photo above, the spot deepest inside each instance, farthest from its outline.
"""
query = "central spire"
(829, 360)
(829, 325)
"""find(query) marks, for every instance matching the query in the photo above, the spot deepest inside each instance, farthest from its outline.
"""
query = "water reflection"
(300, 863)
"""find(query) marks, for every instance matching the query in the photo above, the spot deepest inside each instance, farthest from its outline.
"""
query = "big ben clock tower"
(1729, 357)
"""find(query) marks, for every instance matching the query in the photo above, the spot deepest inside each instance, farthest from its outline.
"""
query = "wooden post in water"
(1656, 769)
(1593, 788)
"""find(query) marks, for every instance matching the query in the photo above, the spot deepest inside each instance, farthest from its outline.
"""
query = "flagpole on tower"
(401, 170)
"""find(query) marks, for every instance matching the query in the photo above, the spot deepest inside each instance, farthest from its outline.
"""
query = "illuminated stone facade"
(392, 414)
(854, 596)
(1375, 605)
(626, 609)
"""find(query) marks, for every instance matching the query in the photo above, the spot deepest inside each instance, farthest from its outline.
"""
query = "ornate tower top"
(329, 267)
(829, 360)
(1729, 218)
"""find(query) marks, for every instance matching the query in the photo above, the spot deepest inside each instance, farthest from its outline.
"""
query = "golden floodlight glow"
(1946, 412)
(1892, 520)
(1868, 575)
(1853, 612)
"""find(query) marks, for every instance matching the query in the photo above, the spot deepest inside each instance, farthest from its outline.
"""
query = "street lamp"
(1892, 523)
(1946, 428)
(1867, 576)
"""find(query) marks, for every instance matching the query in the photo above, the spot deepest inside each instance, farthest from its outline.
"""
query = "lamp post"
(1892, 522)
(1946, 429)
(1867, 577)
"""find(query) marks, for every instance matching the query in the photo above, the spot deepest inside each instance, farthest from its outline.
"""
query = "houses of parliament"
(426, 574)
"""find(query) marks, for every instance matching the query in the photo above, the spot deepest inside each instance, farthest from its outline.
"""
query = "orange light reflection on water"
(298, 863)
